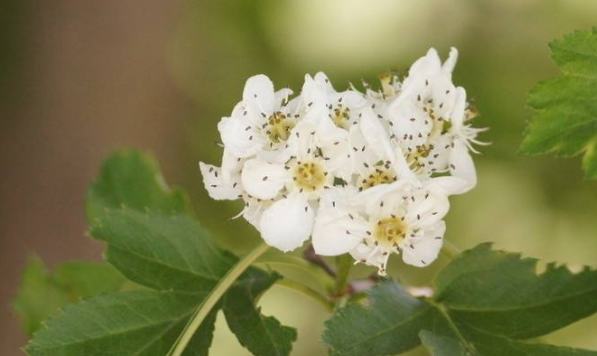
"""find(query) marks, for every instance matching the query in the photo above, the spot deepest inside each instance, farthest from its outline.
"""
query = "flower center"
(376, 177)
(309, 176)
(390, 232)
(416, 157)
(340, 116)
(278, 127)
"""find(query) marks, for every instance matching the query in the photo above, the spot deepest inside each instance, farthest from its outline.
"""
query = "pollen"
(417, 157)
(309, 176)
(389, 232)
(278, 127)
(377, 176)
(340, 115)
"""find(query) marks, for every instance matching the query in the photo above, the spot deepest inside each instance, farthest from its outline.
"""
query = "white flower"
(327, 106)
(261, 123)
(366, 174)
(287, 223)
(223, 183)
(333, 115)
(463, 136)
(396, 218)
(427, 120)
(295, 186)
(338, 215)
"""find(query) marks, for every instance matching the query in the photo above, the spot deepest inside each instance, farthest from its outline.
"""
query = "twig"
(310, 255)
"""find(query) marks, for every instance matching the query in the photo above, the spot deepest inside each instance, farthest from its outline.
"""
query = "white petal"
(427, 209)
(342, 197)
(461, 163)
(323, 82)
(236, 138)
(338, 159)
(444, 95)
(360, 159)
(335, 232)
(379, 200)
(430, 64)
(302, 140)
(411, 124)
(263, 180)
(361, 252)
(254, 210)
(370, 255)
(378, 141)
(374, 133)
(314, 97)
(423, 250)
(328, 133)
(287, 223)
(258, 94)
(401, 166)
(215, 185)
(439, 153)
(351, 99)
(448, 185)
(238, 109)
(278, 155)
(457, 115)
(450, 63)
(231, 165)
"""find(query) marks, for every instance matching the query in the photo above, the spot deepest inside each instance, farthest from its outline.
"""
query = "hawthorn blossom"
(334, 114)
(261, 123)
(223, 183)
(295, 185)
(427, 120)
(367, 174)
(391, 218)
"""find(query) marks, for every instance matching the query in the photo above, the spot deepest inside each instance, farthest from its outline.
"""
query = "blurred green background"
(79, 79)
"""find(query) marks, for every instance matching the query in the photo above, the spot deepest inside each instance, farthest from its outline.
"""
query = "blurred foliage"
(564, 107)
(540, 206)
(42, 292)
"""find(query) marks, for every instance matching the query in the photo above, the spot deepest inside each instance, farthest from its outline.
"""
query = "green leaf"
(162, 251)
(41, 293)
(565, 117)
(142, 323)
(485, 301)
(441, 345)
(502, 294)
(86, 279)
(261, 335)
(173, 252)
(390, 326)
(132, 179)
(153, 241)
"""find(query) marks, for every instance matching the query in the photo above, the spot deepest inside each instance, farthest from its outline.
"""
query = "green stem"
(344, 264)
(450, 250)
(298, 263)
(310, 292)
(212, 299)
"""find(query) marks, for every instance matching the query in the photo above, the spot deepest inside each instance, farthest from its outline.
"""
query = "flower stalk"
(212, 299)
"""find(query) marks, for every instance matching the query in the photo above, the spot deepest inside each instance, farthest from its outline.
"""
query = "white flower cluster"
(366, 174)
